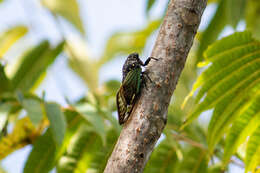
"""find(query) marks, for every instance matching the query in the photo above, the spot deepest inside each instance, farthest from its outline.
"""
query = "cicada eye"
(133, 65)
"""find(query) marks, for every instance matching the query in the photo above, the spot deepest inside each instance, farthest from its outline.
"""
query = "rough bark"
(149, 116)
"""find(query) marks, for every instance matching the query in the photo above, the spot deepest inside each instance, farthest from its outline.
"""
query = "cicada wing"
(131, 85)
(121, 105)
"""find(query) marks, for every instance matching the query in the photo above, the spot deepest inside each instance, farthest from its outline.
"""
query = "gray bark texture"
(149, 116)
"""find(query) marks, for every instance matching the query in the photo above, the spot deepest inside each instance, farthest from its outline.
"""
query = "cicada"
(133, 77)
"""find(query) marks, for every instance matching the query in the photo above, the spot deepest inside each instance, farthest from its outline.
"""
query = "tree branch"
(148, 119)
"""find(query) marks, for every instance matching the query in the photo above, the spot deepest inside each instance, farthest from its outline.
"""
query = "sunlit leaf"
(33, 65)
(57, 121)
(230, 86)
(41, 158)
(68, 9)
(8, 38)
(253, 151)
(223, 78)
(242, 127)
(22, 134)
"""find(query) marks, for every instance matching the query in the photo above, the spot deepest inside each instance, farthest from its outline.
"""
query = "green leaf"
(127, 42)
(226, 112)
(81, 142)
(101, 154)
(235, 10)
(5, 82)
(230, 86)
(234, 67)
(74, 120)
(41, 158)
(33, 108)
(149, 5)
(216, 25)
(90, 114)
(252, 17)
(4, 110)
(163, 159)
(57, 120)
(68, 9)
(242, 127)
(8, 38)
(33, 65)
(194, 160)
(253, 151)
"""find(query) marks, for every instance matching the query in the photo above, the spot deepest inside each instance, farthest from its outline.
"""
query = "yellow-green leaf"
(235, 64)
(21, 135)
(33, 65)
(8, 38)
(253, 151)
(68, 9)
(244, 126)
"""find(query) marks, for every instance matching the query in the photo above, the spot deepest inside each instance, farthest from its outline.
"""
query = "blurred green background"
(60, 70)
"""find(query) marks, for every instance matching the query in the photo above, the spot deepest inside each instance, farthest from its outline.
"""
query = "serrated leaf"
(227, 111)
(41, 158)
(235, 61)
(57, 121)
(242, 127)
(33, 65)
(253, 151)
(8, 38)
(90, 114)
(68, 9)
